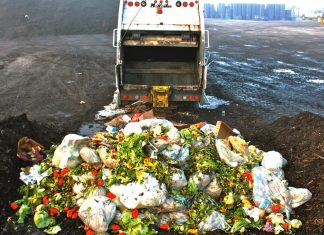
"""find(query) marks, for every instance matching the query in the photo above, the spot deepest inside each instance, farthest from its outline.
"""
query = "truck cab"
(160, 48)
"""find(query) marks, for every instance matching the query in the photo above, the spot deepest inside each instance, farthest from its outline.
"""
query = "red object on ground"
(14, 206)
(60, 182)
(115, 227)
(164, 226)
(53, 211)
(45, 200)
(75, 215)
(276, 208)
(56, 174)
(90, 232)
(99, 182)
(134, 213)
(65, 171)
(95, 173)
(111, 195)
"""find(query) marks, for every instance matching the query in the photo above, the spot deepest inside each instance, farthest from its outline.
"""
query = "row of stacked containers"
(237, 11)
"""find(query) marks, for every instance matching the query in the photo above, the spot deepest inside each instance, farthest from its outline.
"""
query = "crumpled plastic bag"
(273, 160)
(178, 179)
(201, 180)
(177, 153)
(159, 143)
(89, 155)
(267, 186)
(179, 218)
(67, 154)
(213, 189)
(33, 175)
(150, 193)
(147, 124)
(29, 150)
(214, 221)
(208, 129)
(107, 158)
(83, 178)
(97, 212)
(229, 157)
(299, 196)
(172, 204)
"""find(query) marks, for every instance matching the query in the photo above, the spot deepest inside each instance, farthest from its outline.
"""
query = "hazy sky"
(305, 4)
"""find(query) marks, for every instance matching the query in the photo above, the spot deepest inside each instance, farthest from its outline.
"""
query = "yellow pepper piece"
(193, 231)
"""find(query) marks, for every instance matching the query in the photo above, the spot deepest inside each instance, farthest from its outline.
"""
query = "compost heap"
(150, 175)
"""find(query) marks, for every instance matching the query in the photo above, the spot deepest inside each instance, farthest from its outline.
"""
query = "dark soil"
(299, 139)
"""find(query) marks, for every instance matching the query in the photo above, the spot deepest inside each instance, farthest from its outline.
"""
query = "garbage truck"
(160, 46)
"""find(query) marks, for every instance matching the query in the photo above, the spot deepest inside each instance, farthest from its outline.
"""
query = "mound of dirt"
(11, 130)
(30, 18)
(299, 139)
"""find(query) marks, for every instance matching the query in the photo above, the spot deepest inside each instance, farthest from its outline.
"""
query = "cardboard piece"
(222, 130)
(147, 115)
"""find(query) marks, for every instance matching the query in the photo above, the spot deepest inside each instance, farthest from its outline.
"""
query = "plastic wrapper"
(208, 129)
(213, 222)
(107, 158)
(97, 212)
(178, 179)
(201, 180)
(83, 178)
(213, 189)
(159, 143)
(66, 154)
(273, 160)
(229, 157)
(150, 193)
(172, 205)
(33, 175)
(89, 155)
(299, 196)
(179, 217)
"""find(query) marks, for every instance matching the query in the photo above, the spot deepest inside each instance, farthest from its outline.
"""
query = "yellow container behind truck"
(161, 51)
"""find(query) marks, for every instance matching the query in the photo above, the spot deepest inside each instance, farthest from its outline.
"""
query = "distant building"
(240, 11)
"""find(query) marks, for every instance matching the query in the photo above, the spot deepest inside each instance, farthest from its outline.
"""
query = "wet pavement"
(270, 71)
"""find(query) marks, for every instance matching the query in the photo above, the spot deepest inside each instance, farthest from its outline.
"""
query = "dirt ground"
(46, 78)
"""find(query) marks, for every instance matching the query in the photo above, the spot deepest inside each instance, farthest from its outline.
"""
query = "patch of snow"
(289, 71)
(317, 81)
(214, 103)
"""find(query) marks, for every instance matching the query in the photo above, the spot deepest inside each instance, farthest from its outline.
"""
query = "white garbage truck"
(160, 48)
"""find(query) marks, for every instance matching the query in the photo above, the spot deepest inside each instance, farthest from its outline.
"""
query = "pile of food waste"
(150, 176)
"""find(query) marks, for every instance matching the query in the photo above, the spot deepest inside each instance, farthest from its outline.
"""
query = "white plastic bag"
(201, 180)
(67, 154)
(266, 187)
(97, 212)
(106, 157)
(89, 155)
(273, 160)
(213, 189)
(299, 196)
(229, 157)
(172, 205)
(150, 193)
(214, 221)
(178, 179)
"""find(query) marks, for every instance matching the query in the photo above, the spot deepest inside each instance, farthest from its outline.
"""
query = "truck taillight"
(137, 4)
(185, 4)
(130, 4)
(124, 97)
(196, 97)
(190, 97)
(191, 4)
